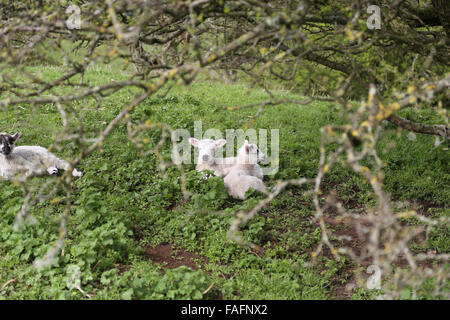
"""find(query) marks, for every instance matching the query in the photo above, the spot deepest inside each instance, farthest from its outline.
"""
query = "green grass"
(124, 204)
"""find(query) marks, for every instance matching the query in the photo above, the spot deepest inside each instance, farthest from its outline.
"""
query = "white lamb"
(246, 173)
(207, 156)
(18, 163)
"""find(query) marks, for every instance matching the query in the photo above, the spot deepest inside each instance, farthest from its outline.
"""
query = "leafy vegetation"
(124, 204)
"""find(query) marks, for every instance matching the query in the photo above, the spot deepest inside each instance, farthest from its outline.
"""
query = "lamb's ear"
(221, 142)
(193, 142)
(17, 136)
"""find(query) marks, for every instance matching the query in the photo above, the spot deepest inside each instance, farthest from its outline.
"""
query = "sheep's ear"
(245, 146)
(17, 136)
(193, 142)
(220, 142)
(250, 148)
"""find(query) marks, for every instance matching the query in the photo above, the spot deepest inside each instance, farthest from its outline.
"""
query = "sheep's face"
(251, 153)
(206, 148)
(7, 142)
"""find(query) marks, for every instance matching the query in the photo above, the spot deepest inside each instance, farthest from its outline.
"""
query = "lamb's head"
(207, 149)
(249, 153)
(7, 142)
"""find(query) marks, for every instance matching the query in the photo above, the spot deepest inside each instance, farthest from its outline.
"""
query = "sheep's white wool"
(238, 182)
(248, 158)
(246, 173)
(207, 157)
(25, 161)
(241, 173)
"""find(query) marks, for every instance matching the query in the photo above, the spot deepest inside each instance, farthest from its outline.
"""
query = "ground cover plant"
(363, 176)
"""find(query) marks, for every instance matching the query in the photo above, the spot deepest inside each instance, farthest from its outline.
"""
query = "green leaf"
(127, 294)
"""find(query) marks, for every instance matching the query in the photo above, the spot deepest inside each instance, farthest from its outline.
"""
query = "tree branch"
(437, 130)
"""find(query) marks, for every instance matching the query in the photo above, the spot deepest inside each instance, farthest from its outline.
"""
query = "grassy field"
(133, 237)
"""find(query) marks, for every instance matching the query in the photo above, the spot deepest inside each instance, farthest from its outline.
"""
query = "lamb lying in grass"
(18, 163)
(246, 173)
(207, 156)
(241, 173)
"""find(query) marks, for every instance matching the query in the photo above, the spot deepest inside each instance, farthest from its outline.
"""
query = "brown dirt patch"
(352, 240)
(122, 267)
(423, 206)
(171, 257)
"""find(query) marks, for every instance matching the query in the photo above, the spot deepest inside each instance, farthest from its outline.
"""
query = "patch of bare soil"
(122, 267)
(171, 258)
(423, 206)
(352, 240)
